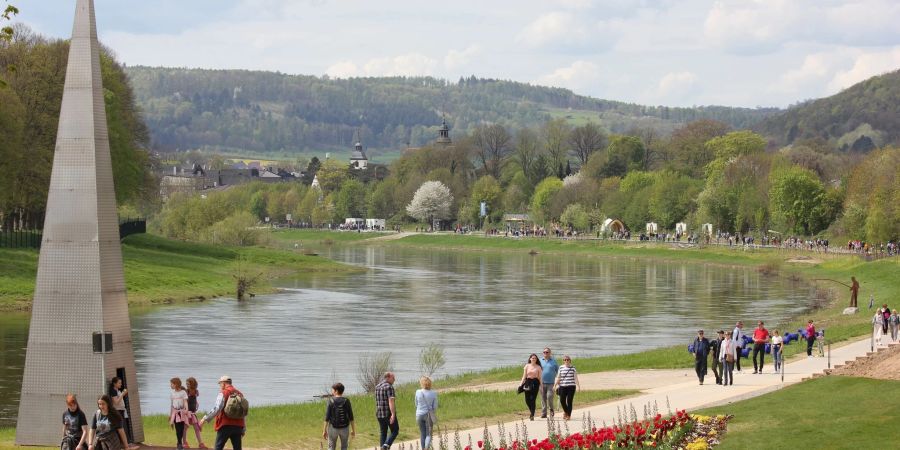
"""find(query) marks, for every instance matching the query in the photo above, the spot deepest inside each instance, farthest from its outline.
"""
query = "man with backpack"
(338, 419)
(229, 411)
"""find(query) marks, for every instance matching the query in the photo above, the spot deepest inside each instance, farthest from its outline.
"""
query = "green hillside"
(239, 111)
(861, 117)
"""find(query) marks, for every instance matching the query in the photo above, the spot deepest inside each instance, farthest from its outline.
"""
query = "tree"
(350, 200)
(586, 139)
(6, 33)
(543, 194)
(431, 201)
(687, 150)
(332, 174)
(576, 217)
(526, 149)
(797, 195)
(492, 147)
(555, 134)
(624, 154)
(487, 190)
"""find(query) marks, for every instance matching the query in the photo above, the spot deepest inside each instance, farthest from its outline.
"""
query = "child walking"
(178, 412)
(192, 394)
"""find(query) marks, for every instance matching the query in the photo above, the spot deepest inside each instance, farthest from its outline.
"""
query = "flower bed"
(680, 431)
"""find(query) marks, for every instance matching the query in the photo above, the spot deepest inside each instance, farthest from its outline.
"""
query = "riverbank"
(160, 270)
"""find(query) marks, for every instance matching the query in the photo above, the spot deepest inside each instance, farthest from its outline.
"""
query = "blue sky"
(659, 52)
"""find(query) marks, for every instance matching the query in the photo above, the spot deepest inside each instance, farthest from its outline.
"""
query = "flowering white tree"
(431, 201)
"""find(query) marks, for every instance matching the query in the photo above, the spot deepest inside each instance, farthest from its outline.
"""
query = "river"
(486, 309)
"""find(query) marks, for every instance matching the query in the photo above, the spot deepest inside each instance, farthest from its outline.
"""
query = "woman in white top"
(777, 347)
(727, 355)
(566, 384)
(426, 408)
(178, 412)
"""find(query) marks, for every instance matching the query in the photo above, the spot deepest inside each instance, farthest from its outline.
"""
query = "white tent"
(652, 227)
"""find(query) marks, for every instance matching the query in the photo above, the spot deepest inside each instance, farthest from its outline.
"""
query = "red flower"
(480, 444)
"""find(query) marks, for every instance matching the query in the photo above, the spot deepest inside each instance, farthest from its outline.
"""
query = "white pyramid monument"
(80, 288)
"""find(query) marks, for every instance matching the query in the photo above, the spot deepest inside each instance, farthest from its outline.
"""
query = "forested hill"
(267, 112)
(861, 117)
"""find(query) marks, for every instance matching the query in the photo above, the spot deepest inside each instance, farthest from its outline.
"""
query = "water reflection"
(486, 309)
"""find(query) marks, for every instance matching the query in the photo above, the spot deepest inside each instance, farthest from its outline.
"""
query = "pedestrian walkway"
(688, 395)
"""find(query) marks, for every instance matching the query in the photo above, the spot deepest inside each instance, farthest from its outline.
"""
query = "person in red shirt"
(760, 337)
(810, 337)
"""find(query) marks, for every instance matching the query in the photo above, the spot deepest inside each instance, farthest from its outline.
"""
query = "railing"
(32, 238)
(20, 239)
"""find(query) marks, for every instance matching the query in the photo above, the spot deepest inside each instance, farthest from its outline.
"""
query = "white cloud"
(456, 59)
(555, 28)
(579, 76)
(676, 86)
(866, 65)
(343, 69)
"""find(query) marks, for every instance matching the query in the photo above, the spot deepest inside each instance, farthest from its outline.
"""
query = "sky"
(658, 52)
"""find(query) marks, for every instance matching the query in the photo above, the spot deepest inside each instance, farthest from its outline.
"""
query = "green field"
(159, 270)
(300, 425)
(321, 237)
(831, 412)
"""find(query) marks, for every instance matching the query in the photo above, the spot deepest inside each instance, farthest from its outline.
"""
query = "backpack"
(339, 416)
(236, 406)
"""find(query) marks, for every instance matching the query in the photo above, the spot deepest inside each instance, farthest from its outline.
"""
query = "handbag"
(729, 358)
(432, 416)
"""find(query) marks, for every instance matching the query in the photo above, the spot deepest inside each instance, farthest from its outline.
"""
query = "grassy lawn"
(164, 270)
(826, 413)
(315, 236)
(300, 425)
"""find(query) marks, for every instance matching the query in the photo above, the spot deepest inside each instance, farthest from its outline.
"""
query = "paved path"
(687, 395)
(387, 237)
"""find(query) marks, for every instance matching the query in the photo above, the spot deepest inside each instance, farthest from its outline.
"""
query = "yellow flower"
(699, 444)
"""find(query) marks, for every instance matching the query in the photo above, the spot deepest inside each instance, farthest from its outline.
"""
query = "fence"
(32, 238)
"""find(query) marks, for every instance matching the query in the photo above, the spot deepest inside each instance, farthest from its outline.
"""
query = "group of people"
(544, 377)
(110, 427)
(726, 349)
(885, 320)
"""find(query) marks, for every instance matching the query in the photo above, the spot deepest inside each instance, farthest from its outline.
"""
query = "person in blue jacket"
(701, 353)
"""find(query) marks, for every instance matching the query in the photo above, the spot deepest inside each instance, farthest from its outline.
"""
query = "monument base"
(850, 311)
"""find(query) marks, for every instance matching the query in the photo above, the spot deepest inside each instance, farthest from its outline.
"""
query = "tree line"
(575, 177)
(249, 111)
(29, 116)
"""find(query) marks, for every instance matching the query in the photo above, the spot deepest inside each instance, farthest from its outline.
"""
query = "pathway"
(388, 237)
(681, 394)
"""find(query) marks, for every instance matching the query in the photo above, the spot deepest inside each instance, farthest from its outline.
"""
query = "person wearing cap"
(75, 425)
(226, 427)
(701, 352)
(714, 346)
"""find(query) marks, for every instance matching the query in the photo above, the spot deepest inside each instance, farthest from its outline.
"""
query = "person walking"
(895, 325)
(386, 410)
(877, 326)
(426, 411)
(338, 419)
(714, 346)
(193, 406)
(75, 426)
(531, 382)
(549, 367)
(566, 384)
(117, 393)
(727, 355)
(777, 348)
(700, 349)
(227, 428)
(737, 338)
(760, 338)
(854, 291)
(106, 431)
(810, 337)
(178, 408)
(886, 314)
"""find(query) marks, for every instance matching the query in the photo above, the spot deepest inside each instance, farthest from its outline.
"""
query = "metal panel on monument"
(80, 287)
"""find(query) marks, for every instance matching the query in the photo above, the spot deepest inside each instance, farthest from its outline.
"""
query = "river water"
(486, 309)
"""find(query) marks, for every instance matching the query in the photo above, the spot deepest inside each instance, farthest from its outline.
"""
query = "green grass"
(324, 237)
(300, 425)
(164, 270)
(826, 413)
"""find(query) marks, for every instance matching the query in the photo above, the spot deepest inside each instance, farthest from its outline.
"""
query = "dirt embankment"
(884, 365)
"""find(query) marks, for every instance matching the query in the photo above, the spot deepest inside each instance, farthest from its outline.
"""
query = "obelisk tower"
(80, 309)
